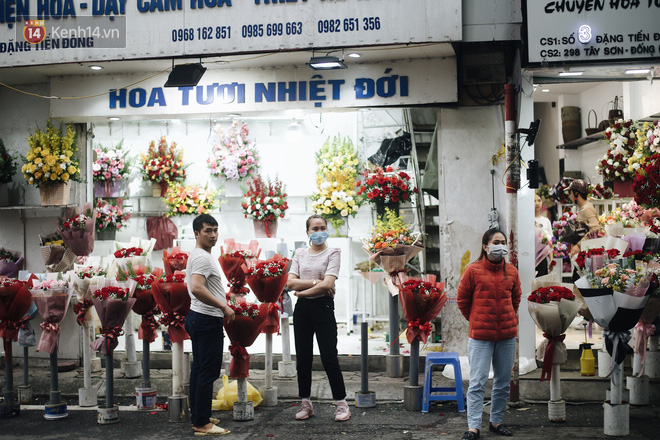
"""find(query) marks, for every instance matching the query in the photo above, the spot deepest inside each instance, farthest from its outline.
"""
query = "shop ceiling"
(40, 74)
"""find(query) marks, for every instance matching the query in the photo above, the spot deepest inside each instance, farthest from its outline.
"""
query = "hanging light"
(326, 63)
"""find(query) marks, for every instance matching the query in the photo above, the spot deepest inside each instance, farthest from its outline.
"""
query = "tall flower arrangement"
(335, 197)
(385, 185)
(111, 164)
(621, 137)
(163, 163)
(51, 157)
(234, 157)
(189, 199)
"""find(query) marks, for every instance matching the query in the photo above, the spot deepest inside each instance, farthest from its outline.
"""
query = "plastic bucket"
(106, 416)
(146, 398)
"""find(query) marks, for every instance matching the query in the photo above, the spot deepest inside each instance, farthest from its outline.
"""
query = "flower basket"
(108, 234)
(158, 189)
(55, 194)
(234, 156)
(265, 229)
(106, 188)
(381, 206)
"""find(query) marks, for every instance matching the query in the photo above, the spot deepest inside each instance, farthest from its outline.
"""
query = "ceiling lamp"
(568, 73)
(326, 63)
(185, 75)
(95, 67)
(637, 71)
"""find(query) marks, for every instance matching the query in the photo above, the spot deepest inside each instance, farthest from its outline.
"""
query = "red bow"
(173, 320)
(236, 287)
(240, 361)
(150, 319)
(50, 326)
(548, 357)
(80, 308)
(416, 328)
(9, 329)
(274, 308)
(24, 322)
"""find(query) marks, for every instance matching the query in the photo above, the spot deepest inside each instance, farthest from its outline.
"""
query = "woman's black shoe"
(469, 435)
(501, 430)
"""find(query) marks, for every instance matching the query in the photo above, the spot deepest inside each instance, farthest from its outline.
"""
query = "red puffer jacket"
(489, 300)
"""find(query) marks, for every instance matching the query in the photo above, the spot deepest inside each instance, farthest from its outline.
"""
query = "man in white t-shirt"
(204, 324)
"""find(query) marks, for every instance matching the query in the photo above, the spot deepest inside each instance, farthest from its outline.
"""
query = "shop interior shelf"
(574, 145)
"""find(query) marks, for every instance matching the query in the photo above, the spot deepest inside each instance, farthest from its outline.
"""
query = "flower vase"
(623, 189)
(233, 188)
(159, 189)
(55, 194)
(106, 234)
(106, 188)
(338, 227)
(381, 205)
(264, 229)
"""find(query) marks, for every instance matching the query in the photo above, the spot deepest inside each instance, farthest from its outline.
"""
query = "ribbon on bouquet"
(418, 329)
(176, 326)
(616, 343)
(641, 333)
(549, 356)
(149, 325)
(9, 330)
(111, 336)
(80, 309)
(272, 324)
(50, 334)
(267, 228)
(239, 368)
(237, 288)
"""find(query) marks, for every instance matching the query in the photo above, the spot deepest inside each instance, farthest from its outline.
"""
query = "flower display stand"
(9, 407)
(87, 396)
(25, 390)
(131, 367)
(158, 189)
(623, 189)
(652, 363)
(55, 194)
(617, 413)
(286, 367)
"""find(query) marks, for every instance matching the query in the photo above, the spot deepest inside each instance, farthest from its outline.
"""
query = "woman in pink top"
(312, 276)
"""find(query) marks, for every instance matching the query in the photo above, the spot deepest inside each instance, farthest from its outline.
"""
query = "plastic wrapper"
(57, 258)
(175, 260)
(80, 240)
(10, 268)
(420, 309)
(617, 312)
(272, 324)
(228, 395)
(635, 241)
(144, 259)
(232, 265)
(173, 301)
(242, 332)
(542, 250)
(267, 288)
(26, 335)
(112, 314)
(83, 295)
(393, 260)
(606, 243)
(15, 301)
(163, 230)
(52, 304)
(145, 305)
(640, 336)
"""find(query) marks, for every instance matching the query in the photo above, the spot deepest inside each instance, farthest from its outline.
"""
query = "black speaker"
(533, 173)
(185, 75)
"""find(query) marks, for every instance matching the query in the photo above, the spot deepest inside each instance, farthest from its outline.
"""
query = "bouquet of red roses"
(173, 300)
(113, 301)
(421, 299)
(145, 304)
(267, 278)
(552, 308)
(78, 230)
(15, 301)
(83, 276)
(243, 331)
(175, 260)
(232, 258)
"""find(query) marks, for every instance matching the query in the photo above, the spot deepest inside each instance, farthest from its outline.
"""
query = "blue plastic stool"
(450, 358)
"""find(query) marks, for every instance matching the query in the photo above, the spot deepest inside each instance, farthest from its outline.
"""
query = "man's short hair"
(199, 221)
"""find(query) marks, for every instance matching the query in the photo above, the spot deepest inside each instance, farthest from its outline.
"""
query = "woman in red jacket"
(488, 297)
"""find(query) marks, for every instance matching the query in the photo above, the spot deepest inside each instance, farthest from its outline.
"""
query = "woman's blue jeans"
(480, 355)
(206, 334)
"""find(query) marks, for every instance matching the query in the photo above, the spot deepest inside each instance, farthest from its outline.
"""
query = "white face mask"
(497, 251)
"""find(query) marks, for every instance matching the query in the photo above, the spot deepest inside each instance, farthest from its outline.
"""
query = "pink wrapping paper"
(10, 268)
(52, 306)
(80, 240)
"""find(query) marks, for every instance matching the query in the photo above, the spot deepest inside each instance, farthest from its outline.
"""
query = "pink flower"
(604, 281)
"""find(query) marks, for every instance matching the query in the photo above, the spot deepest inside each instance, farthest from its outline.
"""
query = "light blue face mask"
(498, 251)
(318, 238)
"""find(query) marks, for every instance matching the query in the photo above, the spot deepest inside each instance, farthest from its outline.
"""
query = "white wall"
(545, 150)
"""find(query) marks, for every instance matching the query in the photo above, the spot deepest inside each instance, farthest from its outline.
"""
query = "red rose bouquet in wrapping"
(15, 301)
(78, 230)
(243, 331)
(267, 280)
(52, 300)
(136, 252)
(113, 301)
(421, 299)
(552, 308)
(175, 260)
(10, 263)
(145, 304)
(83, 276)
(232, 258)
(173, 300)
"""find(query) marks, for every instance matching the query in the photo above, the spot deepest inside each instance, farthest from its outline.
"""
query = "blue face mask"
(497, 251)
(318, 238)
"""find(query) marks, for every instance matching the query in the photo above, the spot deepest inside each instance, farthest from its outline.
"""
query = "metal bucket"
(146, 398)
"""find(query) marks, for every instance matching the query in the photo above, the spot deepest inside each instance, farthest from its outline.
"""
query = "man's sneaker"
(306, 410)
(342, 413)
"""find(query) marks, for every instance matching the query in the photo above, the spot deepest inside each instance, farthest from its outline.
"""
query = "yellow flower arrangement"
(335, 197)
(51, 157)
(645, 147)
(189, 200)
(389, 233)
